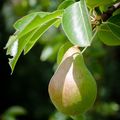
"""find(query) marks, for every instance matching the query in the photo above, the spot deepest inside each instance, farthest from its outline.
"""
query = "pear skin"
(72, 89)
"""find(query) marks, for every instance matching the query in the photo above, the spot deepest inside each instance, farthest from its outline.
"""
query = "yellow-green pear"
(72, 88)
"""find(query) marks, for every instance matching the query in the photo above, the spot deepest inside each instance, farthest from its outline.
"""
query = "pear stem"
(84, 50)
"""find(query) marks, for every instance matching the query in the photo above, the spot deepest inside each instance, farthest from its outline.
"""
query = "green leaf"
(23, 22)
(109, 33)
(12, 39)
(62, 51)
(76, 24)
(65, 4)
(57, 24)
(116, 12)
(26, 42)
(36, 21)
(29, 32)
(16, 47)
(38, 34)
(97, 3)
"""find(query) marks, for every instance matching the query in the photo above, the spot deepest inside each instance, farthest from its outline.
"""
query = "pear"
(72, 89)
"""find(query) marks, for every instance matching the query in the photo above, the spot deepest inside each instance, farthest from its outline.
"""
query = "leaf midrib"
(83, 20)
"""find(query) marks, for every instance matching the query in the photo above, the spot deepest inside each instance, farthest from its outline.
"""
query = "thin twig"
(106, 15)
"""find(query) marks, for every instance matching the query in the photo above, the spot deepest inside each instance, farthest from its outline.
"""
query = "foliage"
(75, 22)
(30, 28)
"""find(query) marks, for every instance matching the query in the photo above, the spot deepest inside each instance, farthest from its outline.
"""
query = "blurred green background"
(24, 94)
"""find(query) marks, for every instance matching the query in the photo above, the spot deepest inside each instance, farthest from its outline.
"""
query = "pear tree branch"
(106, 15)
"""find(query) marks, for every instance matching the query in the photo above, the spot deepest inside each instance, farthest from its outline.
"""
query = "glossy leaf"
(37, 21)
(12, 39)
(96, 3)
(109, 33)
(29, 32)
(65, 4)
(62, 51)
(23, 22)
(57, 24)
(26, 42)
(16, 48)
(76, 24)
(39, 31)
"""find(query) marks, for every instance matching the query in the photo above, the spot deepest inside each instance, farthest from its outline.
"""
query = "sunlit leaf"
(65, 4)
(12, 39)
(37, 21)
(38, 34)
(26, 42)
(16, 48)
(23, 22)
(29, 32)
(57, 24)
(76, 24)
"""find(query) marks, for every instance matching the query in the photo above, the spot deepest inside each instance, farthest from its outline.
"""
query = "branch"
(106, 15)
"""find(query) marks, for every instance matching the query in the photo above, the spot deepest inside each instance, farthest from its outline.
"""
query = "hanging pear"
(72, 88)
